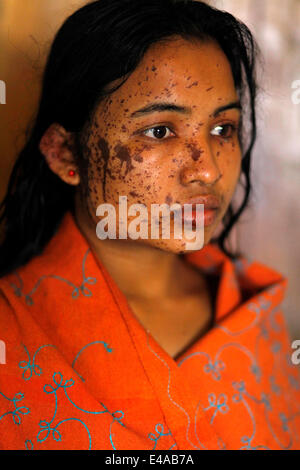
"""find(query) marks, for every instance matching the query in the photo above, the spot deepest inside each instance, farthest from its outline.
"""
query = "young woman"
(140, 344)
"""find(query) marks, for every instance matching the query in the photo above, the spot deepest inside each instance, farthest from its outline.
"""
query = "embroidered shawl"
(81, 372)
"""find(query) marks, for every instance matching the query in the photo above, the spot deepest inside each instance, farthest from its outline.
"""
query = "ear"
(57, 147)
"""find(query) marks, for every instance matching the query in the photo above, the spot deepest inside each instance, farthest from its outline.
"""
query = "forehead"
(197, 73)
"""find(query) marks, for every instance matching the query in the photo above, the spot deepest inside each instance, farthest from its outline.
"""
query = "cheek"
(98, 156)
(130, 172)
(230, 165)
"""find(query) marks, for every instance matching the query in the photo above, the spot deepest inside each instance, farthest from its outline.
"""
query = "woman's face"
(168, 156)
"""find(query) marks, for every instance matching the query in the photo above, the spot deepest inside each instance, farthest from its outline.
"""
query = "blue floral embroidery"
(276, 346)
(18, 290)
(219, 405)
(214, 368)
(240, 387)
(210, 367)
(274, 387)
(197, 353)
(30, 366)
(294, 382)
(240, 332)
(286, 429)
(239, 398)
(46, 427)
(247, 440)
(195, 426)
(253, 367)
(274, 325)
(284, 419)
(106, 346)
(241, 265)
(266, 401)
(115, 418)
(76, 289)
(28, 444)
(168, 391)
(159, 429)
(263, 330)
(172, 446)
(21, 410)
(221, 444)
(256, 371)
(263, 305)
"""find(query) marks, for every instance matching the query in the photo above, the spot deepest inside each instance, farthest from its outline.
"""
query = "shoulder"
(10, 328)
(8, 317)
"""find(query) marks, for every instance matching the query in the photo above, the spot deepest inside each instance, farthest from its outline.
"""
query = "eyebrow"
(165, 106)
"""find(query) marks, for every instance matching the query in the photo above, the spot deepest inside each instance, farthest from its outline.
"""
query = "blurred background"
(269, 231)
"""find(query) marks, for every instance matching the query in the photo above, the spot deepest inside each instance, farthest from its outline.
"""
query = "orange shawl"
(81, 372)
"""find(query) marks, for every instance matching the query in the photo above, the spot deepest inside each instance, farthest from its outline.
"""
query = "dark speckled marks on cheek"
(169, 199)
(195, 152)
(122, 153)
(103, 146)
(138, 158)
(193, 84)
(134, 194)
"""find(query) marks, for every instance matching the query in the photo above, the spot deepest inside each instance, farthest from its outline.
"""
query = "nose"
(204, 170)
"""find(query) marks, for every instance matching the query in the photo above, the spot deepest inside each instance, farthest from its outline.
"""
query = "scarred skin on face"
(187, 158)
(163, 156)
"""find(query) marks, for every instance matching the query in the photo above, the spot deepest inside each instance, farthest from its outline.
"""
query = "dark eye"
(224, 130)
(159, 132)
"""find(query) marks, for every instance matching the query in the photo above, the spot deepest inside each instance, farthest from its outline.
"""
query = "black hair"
(102, 42)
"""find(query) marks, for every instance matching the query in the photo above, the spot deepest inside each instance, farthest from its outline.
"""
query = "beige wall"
(26, 31)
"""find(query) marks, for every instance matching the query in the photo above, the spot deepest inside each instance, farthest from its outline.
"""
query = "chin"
(179, 247)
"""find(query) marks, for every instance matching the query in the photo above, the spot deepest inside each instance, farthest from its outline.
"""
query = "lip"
(210, 216)
(209, 201)
(211, 208)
